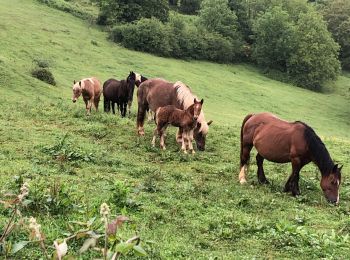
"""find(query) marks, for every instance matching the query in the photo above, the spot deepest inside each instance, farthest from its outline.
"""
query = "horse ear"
(209, 122)
(202, 100)
(335, 168)
(74, 82)
(341, 167)
(80, 83)
(194, 101)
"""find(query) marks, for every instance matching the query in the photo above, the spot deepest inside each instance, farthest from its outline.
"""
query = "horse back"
(91, 87)
(275, 139)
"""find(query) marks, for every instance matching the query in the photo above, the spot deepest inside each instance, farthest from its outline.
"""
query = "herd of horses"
(174, 104)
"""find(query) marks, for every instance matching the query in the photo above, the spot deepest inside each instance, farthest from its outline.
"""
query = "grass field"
(182, 206)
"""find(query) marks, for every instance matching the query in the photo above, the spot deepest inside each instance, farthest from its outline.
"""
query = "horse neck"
(319, 153)
(190, 110)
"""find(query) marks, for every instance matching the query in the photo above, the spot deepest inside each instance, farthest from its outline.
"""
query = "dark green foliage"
(337, 15)
(296, 41)
(314, 58)
(148, 35)
(274, 34)
(112, 11)
(175, 39)
(44, 74)
(190, 6)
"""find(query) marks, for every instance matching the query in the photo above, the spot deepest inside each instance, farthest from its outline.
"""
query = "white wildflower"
(35, 228)
(104, 210)
(24, 191)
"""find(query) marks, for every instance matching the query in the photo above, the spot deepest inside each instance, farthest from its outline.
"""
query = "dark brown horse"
(280, 141)
(155, 93)
(120, 92)
(186, 120)
(138, 78)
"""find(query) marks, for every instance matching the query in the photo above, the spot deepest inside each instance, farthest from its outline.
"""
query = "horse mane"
(185, 97)
(318, 150)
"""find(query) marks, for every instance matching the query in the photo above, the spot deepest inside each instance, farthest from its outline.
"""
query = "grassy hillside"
(182, 206)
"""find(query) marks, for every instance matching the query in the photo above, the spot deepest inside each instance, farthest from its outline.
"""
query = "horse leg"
(129, 107)
(113, 107)
(155, 133)
(261, 175)
(96, 101)
(106, 105)
(184, 141)
(123, 109)
(141, 111)
(191, 141)
(245, 156)
(293, 180)
(162, 135)
(179, 135)
(87, 106)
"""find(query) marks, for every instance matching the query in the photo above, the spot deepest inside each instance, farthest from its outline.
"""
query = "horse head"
(130, 80)
(330, 184)
(200, 132)
(197, 108)
(76, 90)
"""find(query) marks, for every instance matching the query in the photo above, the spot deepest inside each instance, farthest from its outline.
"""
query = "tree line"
(307, 42)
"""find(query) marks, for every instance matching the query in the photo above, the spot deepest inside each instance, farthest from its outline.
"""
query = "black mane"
(319, 152)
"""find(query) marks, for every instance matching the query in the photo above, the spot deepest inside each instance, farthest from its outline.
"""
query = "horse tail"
(142, 106)
(243, 123)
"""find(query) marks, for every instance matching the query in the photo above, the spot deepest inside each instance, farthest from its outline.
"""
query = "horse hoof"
(242, 181)
(264, 181)
(193, 152)
(185, 152)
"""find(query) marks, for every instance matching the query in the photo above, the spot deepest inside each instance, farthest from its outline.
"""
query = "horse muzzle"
(74, 100)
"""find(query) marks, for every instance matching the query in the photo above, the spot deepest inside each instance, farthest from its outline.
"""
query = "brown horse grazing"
(186, 120)
(280, 141)
(155, 93)
(90, 89)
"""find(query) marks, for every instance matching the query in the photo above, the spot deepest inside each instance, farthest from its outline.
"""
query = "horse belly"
(274, 152)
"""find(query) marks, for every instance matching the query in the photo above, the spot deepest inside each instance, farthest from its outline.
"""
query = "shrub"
(148, 35)
(274, 32)
(314, 59)
(45, 75)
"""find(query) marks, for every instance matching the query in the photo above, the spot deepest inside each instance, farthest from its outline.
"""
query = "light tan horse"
(90, 89)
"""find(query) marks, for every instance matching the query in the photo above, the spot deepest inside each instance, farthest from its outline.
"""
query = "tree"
(190, 6)
(314, 58)
(216, 16)
(112, 11)
(337, 15)
(274, 33)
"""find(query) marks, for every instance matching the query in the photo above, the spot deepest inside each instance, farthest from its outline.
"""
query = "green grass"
(182, 206)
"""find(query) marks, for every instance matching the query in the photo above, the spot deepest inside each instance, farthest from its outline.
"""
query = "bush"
(45, 75)
(113, 11)
(314, 59)
(176, 39)
(148, 35)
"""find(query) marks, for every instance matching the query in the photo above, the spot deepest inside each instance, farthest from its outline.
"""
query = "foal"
(186, 120)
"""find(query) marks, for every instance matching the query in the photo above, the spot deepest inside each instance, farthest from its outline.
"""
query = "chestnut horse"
(155, 93)
(186, 120)
(280, 141)
(90, 89)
